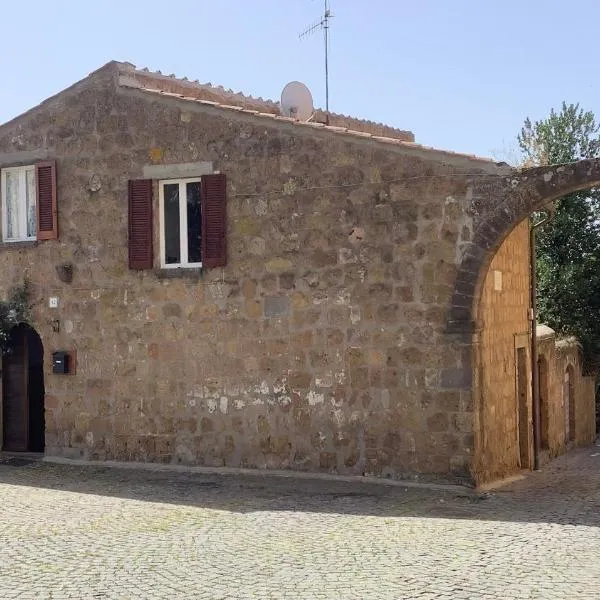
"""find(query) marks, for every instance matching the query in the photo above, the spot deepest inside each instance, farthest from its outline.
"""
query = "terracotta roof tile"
(207, 94)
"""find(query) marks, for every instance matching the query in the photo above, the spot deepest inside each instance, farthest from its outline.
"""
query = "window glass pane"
(12, 205)
(194, 227)
(171, 224)
(31, 204)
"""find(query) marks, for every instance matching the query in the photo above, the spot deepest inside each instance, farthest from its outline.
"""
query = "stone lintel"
(177, 171)
(22, 157)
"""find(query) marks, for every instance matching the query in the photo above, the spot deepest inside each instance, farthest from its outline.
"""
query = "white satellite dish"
(296, 101)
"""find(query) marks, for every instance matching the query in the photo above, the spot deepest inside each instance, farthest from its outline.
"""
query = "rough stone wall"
(559, 356)
(504, 326)
(321, 345)
(568, 354)
(586, 411)
(551, 396)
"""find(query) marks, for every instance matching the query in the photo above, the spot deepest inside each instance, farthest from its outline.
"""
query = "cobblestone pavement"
(99, 532)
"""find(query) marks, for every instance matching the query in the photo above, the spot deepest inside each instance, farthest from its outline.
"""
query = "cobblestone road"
(99, 532)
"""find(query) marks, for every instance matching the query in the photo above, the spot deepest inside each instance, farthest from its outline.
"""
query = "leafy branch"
(15, 310)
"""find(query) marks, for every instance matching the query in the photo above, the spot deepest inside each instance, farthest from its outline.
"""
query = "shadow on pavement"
(566, 492)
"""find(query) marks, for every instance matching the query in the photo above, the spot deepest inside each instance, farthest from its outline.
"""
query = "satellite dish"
(296, 101)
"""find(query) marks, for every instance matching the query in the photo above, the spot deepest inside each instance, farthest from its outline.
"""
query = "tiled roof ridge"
(131, 77)
(207, 91)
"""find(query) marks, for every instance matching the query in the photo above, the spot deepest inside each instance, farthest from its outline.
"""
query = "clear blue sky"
(461, 74)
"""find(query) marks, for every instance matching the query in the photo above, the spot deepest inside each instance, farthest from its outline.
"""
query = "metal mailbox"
(60, 362)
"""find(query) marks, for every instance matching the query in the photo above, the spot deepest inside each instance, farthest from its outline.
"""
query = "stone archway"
(497, 205)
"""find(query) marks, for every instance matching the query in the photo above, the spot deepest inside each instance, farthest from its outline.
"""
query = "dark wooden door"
(15, 401)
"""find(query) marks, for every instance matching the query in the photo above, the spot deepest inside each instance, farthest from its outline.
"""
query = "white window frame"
(22, 172)
(183, 229)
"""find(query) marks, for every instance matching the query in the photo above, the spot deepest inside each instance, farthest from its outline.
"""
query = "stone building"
(566, 397)
(327, 298)
(504, 387)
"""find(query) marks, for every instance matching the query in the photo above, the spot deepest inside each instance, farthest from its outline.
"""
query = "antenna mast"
(323, 24)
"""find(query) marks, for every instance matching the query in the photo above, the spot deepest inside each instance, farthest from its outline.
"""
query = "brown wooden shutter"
(214, 220)
(47, 216)
(140, 224)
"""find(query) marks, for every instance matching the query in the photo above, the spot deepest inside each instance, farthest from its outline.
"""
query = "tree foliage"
(13, 311)
(568, 245)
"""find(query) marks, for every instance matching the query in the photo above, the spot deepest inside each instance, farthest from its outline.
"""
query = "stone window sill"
(18, 245)
(194, 274)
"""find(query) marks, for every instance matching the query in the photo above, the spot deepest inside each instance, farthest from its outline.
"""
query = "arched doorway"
(23, 392)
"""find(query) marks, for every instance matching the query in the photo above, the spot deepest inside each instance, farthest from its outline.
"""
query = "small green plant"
(13, 311)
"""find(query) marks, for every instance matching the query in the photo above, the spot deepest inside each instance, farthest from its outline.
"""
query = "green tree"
(568, 245)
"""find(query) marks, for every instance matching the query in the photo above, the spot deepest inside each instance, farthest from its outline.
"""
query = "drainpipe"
(535, 384)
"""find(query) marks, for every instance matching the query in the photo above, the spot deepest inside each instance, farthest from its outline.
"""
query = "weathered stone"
(171, 310)
(456, 378)
(254, 308)
(249, 289)
(278, 265)
(321, 258)
(328, 460)
(300, 300)
(299, 380)
(276, 306)
(339, 303)
(247, 226)
(335, 337)
(438, 422)
(286, 281)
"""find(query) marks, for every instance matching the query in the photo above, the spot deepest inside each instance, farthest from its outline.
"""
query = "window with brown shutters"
(193, 222)
(140, 224)
(47, 217)
(29, 203)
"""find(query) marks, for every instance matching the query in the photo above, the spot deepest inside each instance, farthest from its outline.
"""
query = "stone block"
(462, 422)
(249, 288)
(254, 308)
(328, 461)
(438, 422)
(322, 258)
(278, 265)
(299, 380)
(456, 378)
(276, 306)
(268, 284)
(300, 301)
(171, 309)
(287, 281)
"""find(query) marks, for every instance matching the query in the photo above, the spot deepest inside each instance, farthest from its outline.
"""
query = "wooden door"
(15, 400)
(523, 409)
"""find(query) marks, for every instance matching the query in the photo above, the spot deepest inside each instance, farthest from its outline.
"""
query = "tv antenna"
(323, 24)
